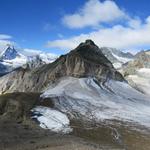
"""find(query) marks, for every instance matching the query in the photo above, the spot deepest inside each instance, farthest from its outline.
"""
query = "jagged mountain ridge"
(84, 61)
(117, 57)
(137, 71)
(12, 58)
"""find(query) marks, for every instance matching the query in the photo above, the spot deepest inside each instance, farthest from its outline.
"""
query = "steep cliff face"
(85, 61)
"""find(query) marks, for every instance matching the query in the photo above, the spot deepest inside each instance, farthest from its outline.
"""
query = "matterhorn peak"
(9, 53)
(9, 46)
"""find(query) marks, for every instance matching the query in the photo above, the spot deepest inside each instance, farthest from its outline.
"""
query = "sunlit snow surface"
(51, 119)
(117, 65)
(109, 100)
(122, 59)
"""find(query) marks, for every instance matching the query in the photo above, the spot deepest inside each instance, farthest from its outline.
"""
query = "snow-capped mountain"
(117, 57)
(9, 53)
(11, 58)
(45, 57)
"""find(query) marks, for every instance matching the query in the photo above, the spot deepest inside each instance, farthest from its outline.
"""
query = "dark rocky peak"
(90, 52)
(88, 42)
(86, 60)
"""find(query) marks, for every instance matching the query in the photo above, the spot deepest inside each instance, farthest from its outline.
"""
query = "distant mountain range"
(117, 57)
(137, 71)
(11, 58)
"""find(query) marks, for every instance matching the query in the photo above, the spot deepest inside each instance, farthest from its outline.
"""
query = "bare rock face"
(86, 60)
(141, 60)
(137, 72)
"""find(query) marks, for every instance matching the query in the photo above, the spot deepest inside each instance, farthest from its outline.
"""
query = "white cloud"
(5, 36)
(4, 40)
(30, 52)
(34, 52)
(148, 19)
(93, 13)
(135, 23)
(135, 35)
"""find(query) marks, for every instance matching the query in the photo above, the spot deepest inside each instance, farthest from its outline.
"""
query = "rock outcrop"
(137, 72)
(141, 60)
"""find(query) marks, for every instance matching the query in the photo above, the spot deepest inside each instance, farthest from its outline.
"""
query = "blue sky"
(59, 25)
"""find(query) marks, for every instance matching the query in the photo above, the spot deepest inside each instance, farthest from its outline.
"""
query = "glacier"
(99, 101)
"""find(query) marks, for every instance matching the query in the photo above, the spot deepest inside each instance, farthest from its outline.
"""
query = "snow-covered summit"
(9, 53)
(11, 57)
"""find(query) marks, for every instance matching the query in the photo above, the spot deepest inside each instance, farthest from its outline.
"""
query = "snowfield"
(117, 65)
(87, 98)
(122, 59)
(51, 119)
